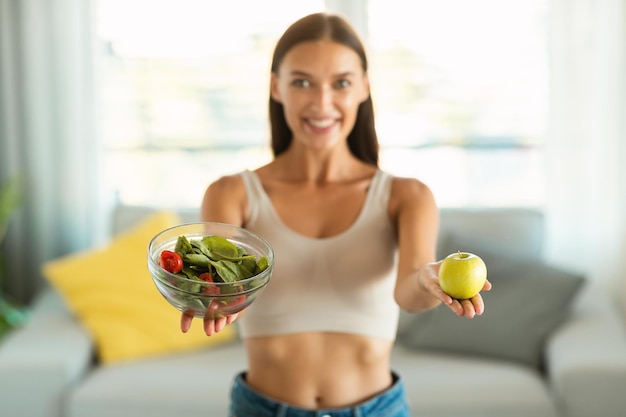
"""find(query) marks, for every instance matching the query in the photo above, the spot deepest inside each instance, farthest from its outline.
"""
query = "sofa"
(574, 364)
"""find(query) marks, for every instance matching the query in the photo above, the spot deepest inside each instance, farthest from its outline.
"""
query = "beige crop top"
(343, 283)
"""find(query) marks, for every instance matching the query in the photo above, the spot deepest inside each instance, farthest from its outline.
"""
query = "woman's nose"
(323, 97)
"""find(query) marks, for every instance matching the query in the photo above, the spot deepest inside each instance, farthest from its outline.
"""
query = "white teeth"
(321, 123)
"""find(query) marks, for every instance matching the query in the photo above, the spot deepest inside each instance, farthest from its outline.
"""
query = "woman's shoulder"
(225, 200)
(409, 186)
(227, 184)
(412, 192)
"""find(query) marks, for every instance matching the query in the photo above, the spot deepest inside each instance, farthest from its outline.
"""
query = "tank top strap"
(380, 191)
(255, 193)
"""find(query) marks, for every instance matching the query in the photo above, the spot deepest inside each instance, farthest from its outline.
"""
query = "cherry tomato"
(171, 261)
(209, 289)
(206, 276)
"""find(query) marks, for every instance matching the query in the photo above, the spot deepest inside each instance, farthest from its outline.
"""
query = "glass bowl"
(188, 292)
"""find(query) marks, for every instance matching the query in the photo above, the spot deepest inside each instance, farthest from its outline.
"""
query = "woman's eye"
(343, 84)
(301, 83)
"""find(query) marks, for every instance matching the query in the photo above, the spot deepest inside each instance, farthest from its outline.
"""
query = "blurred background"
(493, 103)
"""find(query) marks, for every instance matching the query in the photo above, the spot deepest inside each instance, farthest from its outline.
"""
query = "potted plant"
(10, 315)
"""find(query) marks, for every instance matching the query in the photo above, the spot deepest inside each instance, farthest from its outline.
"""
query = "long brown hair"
(362, 140)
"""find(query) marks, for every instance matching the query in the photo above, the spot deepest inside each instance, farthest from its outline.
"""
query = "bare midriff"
(319, 370)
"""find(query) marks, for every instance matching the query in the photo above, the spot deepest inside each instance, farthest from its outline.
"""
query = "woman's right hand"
(211, 326)
(222, 202)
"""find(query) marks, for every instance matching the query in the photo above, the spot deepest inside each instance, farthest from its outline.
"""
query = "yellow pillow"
(112, 293)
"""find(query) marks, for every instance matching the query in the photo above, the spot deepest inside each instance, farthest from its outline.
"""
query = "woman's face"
(320, 85)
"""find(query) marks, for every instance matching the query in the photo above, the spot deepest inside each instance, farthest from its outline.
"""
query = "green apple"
(462, 275)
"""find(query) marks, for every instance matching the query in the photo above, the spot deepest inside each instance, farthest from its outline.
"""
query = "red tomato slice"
(206, 276)
(171, 261)
(209, 289)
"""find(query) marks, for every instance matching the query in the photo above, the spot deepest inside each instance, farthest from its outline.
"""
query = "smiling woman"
(333, 86)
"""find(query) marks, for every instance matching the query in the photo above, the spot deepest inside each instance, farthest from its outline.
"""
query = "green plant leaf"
(10, 200)
(183, 246)
(228, 271)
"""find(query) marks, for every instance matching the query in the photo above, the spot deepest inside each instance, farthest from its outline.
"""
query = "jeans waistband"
(247, 401)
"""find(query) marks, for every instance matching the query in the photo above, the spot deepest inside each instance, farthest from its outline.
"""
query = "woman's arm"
(224, 202)
(416, 217)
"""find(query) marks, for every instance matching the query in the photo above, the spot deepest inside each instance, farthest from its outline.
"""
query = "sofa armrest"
(33, 381)
(586, 358)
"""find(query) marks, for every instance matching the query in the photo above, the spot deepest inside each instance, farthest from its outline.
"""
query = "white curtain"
(586, 148)
(48, 135)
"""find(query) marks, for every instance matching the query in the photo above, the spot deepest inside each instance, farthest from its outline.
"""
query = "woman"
(352, 243)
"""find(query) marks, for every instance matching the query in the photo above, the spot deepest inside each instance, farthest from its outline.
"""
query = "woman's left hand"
(468, 308)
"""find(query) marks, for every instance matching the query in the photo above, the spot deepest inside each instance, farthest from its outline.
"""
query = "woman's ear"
(274, 92)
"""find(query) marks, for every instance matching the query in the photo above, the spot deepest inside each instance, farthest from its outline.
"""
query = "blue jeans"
(246, 402)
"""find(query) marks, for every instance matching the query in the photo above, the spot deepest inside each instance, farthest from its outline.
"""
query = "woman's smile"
(321, 125)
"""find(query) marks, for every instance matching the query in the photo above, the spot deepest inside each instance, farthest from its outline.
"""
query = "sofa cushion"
(194, 384)
(529, 299)
(450, 385)
(112, 293)
(515, 229)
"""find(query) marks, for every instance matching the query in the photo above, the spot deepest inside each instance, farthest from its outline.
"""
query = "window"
(462, 96)
(183, 88)
(460, 89)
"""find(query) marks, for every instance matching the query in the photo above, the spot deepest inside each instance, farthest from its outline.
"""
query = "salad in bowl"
(208, 269)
